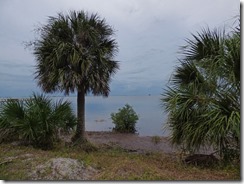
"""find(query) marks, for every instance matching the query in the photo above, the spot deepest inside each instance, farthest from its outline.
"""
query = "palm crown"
(75, 50)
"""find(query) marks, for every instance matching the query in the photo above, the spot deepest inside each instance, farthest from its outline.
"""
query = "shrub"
(35, 120)
(156, 139)
(125, 120)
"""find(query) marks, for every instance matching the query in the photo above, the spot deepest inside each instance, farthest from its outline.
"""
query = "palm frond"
(75, 47)
(203, 98)
(36, 120)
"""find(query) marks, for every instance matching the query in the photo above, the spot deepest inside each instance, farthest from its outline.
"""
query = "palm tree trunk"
(80, 129)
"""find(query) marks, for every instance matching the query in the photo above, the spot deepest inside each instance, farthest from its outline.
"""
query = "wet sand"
(132, 142)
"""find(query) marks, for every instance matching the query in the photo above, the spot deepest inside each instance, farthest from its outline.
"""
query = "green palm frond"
(206, 44)
(75, 49)
(203, 99)
(187, 73)
(36, 120)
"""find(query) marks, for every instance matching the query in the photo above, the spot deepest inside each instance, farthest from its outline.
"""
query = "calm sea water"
(98, 109)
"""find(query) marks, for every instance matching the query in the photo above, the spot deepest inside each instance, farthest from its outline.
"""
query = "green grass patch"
(111, 163)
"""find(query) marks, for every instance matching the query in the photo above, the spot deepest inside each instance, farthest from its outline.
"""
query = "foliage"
(203, 98)
(75, 53)
(156, 139)
(75, 49)
(125, 119)
(35, 120)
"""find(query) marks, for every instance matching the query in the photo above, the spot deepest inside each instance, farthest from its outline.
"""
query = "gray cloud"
(14, 85)
(149, 33)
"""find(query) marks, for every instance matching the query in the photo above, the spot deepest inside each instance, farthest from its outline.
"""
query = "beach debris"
(100, 120)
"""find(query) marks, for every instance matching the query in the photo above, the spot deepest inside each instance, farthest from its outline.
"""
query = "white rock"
(62, 169)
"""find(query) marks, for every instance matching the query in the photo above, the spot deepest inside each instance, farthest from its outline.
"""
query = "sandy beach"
(135, 143)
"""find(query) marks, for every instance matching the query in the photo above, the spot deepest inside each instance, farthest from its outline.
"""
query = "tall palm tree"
(203, 98)
(75, 52)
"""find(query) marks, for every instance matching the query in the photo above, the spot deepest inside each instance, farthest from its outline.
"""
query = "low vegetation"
(96, 161)
(35, 121)
(125, 119)
(18, 162)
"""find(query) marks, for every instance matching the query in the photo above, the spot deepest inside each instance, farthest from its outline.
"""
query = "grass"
(112, 164)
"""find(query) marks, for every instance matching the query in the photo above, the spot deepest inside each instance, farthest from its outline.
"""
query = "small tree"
(125, 120)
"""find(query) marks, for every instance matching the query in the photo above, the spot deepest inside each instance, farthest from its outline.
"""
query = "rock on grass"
(62, 169)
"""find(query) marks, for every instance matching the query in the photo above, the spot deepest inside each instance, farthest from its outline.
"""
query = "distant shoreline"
(25, 97)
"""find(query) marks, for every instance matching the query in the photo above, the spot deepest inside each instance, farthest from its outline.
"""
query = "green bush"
(125, 120)
(36, 120)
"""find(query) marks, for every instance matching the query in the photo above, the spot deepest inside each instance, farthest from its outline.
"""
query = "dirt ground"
(136, 143)
(132, 142)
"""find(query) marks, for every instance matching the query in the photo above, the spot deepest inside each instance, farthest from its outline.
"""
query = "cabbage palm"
(75, 53)
(203, 97)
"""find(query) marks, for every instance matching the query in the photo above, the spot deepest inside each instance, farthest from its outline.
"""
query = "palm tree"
(75, 52)
(203, 97)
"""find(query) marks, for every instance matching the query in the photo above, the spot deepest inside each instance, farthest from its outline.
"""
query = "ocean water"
(152, 117)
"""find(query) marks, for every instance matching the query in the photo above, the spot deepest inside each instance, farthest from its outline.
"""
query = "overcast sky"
(149, 34)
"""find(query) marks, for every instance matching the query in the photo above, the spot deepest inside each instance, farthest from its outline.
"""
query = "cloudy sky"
(149, 34)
